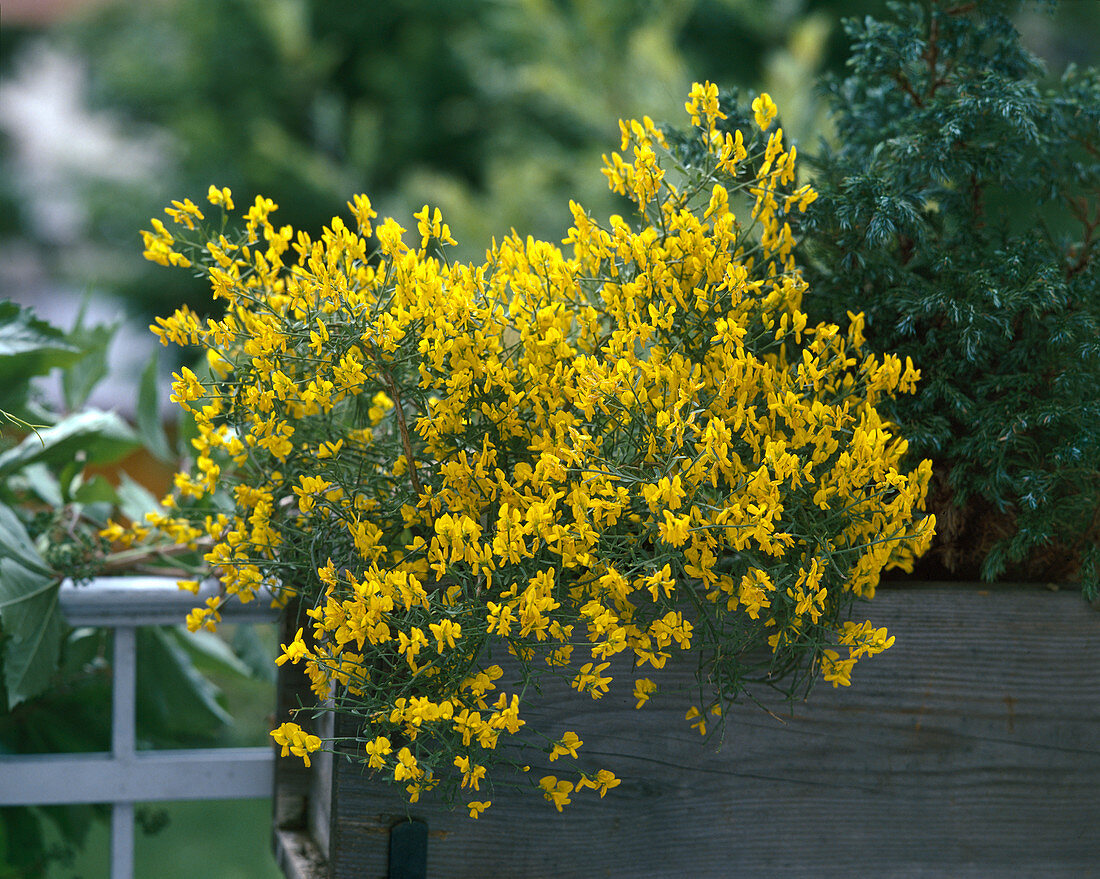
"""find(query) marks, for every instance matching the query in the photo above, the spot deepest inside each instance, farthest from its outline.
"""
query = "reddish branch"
(976, 206)
(931, 56)
(1079, 207)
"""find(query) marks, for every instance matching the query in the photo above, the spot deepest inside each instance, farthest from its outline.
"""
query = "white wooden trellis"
(124, 775)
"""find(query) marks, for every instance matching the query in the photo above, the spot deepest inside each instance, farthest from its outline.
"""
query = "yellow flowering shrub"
(636, 446)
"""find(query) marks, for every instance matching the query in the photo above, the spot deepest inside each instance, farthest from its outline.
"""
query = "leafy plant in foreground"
(54, 680)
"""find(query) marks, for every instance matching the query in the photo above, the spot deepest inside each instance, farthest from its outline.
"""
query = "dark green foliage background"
(497, 111)
(960, 210)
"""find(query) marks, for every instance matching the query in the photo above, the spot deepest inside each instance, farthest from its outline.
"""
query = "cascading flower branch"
(471, 477)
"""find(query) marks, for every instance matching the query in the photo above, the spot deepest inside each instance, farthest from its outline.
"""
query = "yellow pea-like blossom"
(467, 476)
(567, 744)
(764, 111)
(294, 740)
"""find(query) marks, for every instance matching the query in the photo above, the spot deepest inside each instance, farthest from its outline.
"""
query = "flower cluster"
(471, 477)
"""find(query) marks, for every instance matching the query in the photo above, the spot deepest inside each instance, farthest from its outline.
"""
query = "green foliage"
(54, 681)
(960, 211)
(490, 109)
(28, 347)
(32, 628)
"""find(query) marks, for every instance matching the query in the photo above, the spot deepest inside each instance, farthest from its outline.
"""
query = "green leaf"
(255, 651)
(175, 702)
(43, 482)
(82, 649)
(134, 499)
(149, 424)
(28, 347)
(210, 653)
(33, 628)
(21, 841)
(81, 377)
(16, 544)
(95, 490)
(103, 437)
(72, 822)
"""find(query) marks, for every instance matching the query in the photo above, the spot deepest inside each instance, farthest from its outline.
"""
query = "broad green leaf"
(16, 544)
(21, 841)
(255, 650)
(72, 718)
(149, 424)
(134, 499)
(210, 653)
(95, 490)
(83, 649)
(28, 347)
(103, 437)
(72, 821)
(43, 482)
(33, 628)
(80, 378)
(174, 700)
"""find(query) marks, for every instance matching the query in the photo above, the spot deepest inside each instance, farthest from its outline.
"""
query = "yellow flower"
(187, 388)
(472, 774)
(643, 689)
(295, 651)
(699, 720)
(562, 441)
(432, 227)
(296, 741)
(380, 405)
(764, 111)
(360, 206)
(674, 530)
(567, 744)
(557, 792)
(221, 197)
(476, 807)
(591, 680)
(407, 767)
(702, 104)
(445, 632)
(181, 212)
(376, 751)
(603, 782)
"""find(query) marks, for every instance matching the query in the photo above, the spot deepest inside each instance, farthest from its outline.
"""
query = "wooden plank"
(292, 779)
(971, 748)
(297, 856)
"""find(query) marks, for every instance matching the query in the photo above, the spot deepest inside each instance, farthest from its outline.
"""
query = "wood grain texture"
(970, 749)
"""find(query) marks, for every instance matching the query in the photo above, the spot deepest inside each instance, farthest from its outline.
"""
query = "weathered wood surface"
(970, 749)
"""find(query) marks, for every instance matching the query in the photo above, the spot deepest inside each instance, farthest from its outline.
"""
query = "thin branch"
(907, 87)
(400, 412)
(1079, 208)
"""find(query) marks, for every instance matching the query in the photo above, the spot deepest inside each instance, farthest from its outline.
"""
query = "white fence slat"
(149, 776)
(124, 692)
(122, 841)
(148, 601)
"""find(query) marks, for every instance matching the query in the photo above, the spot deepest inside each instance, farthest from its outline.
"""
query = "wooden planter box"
(970, 749)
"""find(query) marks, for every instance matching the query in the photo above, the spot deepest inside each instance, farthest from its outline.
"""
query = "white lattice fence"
(124, 776)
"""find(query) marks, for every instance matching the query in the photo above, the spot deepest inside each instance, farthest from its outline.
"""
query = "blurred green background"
(497, 111)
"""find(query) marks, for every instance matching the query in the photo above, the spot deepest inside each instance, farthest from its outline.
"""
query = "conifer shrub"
(960, 212)
(957, 225)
